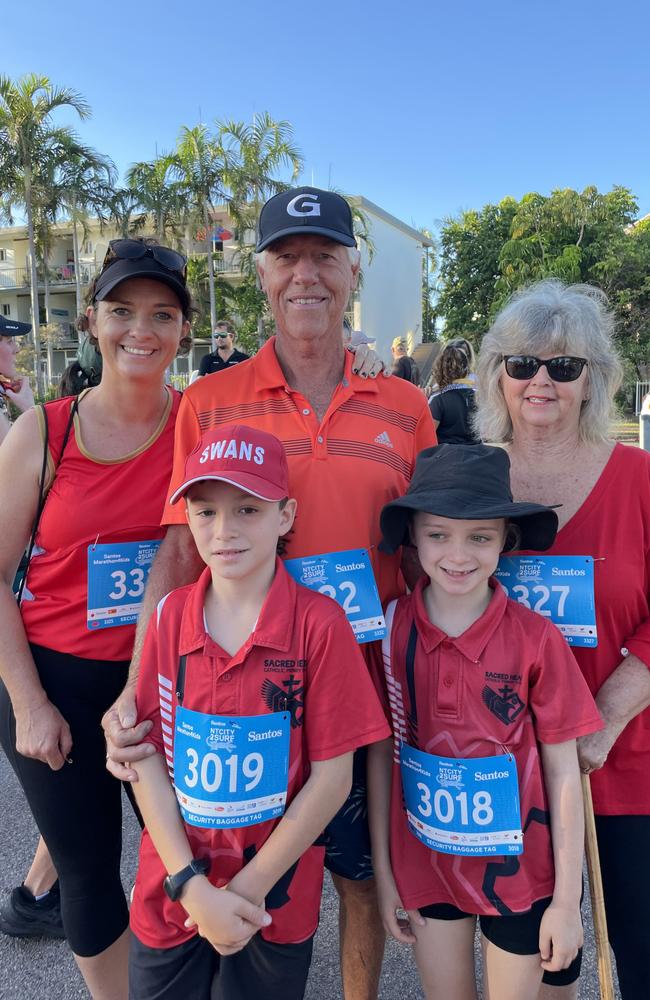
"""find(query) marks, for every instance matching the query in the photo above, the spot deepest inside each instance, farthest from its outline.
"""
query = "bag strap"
(180, 679)
(42, 496)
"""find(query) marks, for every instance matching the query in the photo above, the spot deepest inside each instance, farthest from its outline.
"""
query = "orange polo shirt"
(342, 469)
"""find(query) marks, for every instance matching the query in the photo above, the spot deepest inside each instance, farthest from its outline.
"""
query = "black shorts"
(517, 934)
(347, 837)
(195, 970)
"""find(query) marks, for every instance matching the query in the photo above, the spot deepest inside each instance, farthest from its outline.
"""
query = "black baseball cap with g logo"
(305, 210)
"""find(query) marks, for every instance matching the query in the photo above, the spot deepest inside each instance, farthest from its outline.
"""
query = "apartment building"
(387, 303)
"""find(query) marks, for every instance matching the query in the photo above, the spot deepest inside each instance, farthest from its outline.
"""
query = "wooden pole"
(597, 898)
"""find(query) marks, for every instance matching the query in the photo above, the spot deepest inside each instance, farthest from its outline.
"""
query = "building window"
(6, 310)
(88, 247)
(3, 255)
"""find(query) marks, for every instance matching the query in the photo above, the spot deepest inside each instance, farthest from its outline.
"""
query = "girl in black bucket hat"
(476, 804)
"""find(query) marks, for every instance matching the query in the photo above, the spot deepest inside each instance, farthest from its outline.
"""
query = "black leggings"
(623, 848)
(78, 809)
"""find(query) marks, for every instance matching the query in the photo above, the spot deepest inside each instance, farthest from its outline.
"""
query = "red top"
(508, 681)
(342, 471)
(92, 500)
(302, 646)
(613, 526)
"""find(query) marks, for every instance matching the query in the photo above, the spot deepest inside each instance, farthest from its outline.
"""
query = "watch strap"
(173, 884)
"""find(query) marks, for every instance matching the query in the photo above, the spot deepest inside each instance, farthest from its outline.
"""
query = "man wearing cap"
(403, 365)
(14, 388)
(351, 445)
(226, 353)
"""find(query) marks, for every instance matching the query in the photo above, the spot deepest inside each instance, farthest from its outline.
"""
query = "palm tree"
(27, 139)
(201, 169)
(156, 192)
(86, 182)
(255, 154)
(124, 212)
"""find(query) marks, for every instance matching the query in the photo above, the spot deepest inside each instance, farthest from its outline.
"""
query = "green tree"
(157, 194)
(28, 138)
(470, 247)
(576, 236)
(123, 210)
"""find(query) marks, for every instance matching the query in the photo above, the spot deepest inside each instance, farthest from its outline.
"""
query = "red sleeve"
(147, 698)
(560, 700)
(342, 711)
(186, 436)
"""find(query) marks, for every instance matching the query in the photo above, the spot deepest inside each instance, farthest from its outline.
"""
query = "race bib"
(559, 587)
(348, 578)
(468, 807)
(230, 772)
(117, 575)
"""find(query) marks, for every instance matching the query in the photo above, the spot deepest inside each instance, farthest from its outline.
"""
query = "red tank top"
(91, 502)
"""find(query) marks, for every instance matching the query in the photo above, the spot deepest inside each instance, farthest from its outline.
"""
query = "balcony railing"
(60, 274)
(64, 274)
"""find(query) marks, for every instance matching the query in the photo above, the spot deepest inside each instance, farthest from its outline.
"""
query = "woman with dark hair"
(86, 370)
(547, 375)
(452, 403)
(92, 472)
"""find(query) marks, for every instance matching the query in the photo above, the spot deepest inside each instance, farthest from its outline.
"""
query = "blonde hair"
(551, 317)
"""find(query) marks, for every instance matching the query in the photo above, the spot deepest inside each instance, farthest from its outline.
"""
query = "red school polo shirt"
(510, 681)
(342, 470)
(303, 650)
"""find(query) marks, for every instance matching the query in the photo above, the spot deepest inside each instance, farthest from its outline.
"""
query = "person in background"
(547, 376)
(452, 403)
(466, 346)
(226, 354)
(86, 370)
(403, 365)
(14, 388)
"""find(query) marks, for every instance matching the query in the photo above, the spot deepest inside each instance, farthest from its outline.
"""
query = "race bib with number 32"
(348, 578)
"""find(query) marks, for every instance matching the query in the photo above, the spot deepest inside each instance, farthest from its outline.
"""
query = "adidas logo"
(383, 438)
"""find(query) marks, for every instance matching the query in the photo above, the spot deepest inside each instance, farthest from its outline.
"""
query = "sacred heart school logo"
(287, 698)
(505, 703)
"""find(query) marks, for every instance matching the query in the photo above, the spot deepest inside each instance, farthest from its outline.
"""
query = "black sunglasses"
(525, 366)
(170, 259)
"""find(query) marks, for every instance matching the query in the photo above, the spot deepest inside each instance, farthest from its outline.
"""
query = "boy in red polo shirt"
(476, 804)
(258, 696)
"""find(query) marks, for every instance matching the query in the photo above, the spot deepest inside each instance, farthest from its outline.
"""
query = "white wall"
(390, 299)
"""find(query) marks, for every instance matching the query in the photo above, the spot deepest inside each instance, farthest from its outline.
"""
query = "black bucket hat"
(469, 483)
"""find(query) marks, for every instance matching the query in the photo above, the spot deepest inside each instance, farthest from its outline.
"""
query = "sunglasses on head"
(525, 366)
(170, 259)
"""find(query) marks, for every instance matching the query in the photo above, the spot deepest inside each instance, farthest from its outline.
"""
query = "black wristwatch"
(173, 884)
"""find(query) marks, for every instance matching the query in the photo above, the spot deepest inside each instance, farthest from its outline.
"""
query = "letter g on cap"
(304, 204)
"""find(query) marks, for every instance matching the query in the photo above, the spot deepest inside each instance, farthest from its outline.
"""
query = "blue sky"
(424, 107)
